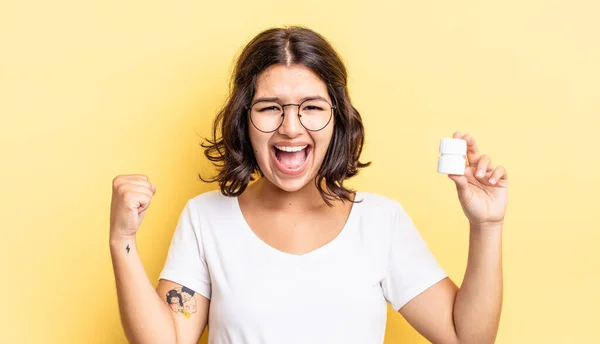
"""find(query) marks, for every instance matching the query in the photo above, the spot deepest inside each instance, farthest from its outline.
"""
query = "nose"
(291, 126)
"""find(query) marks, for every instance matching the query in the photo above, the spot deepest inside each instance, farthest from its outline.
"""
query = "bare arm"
(190, 315)
(471, 314)
(148, 316)
(443, 313)
(479, 300)
(145, 316)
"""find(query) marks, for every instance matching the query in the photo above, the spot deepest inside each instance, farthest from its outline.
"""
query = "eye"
(312, 108)
(270, 108)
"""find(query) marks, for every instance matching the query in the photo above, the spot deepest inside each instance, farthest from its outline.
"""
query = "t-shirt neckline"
(298, 258)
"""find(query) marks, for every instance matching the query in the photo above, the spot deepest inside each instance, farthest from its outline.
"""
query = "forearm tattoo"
(182, 301)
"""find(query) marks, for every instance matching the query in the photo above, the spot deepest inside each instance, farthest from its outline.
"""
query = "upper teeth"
(290, 148)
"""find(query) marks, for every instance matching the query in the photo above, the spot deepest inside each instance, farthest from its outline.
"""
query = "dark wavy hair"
(230, 150)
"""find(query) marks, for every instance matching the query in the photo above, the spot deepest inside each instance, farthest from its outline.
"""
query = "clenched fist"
(131, 196)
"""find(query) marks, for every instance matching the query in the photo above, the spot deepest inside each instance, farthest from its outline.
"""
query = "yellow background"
(90, 90)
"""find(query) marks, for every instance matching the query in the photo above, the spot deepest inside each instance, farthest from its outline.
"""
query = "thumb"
(460, 181)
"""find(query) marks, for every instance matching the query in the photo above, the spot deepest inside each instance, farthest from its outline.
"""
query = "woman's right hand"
(131, 196)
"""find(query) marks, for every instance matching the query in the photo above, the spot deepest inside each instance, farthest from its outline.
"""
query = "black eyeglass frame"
(249, 108)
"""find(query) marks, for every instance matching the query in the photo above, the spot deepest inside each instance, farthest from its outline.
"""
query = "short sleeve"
(186, 263)
(412, 267)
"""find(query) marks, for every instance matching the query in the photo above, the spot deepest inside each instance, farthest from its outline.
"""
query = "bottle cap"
(453, 146)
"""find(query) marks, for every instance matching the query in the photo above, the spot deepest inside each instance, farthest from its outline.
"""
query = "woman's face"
(290, 171)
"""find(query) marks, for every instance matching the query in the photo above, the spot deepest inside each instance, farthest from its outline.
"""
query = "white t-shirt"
(334, 294)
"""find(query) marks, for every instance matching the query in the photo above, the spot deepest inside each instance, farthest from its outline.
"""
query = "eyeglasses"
(314, 114)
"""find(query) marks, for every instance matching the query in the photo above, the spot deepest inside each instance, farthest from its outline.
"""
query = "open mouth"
(291, 159)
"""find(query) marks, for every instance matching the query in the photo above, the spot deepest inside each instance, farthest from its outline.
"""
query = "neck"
(275, 198)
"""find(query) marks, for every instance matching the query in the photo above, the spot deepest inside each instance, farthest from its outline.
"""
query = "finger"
(144, 196)
(140, 182)
(135, 176)
(124, 179)
(498, 174)
(483, 165)
(140, 189)
(461, 182)
(457, 135)
(472, 150)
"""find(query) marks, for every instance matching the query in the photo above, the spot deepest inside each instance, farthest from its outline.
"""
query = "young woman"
(295, 256)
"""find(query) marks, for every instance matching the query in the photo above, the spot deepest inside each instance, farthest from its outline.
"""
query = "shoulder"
(387, 217)
(375, 204)
(211, 202)
(384, 225)
(384, 212)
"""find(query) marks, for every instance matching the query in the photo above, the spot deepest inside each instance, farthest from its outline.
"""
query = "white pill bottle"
(452, 158)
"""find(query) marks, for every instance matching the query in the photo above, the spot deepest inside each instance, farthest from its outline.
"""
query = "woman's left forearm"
(479, 301)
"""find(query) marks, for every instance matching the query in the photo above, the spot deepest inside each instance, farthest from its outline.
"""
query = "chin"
(292, 185)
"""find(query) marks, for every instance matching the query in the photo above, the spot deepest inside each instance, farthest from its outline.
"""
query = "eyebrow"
(278, 100)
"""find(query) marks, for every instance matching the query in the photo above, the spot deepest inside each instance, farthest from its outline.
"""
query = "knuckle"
(116, 181)
(122, 194)
(131, 196)
(123, 190)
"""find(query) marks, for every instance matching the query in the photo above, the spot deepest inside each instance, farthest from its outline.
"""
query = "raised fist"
(131, 196)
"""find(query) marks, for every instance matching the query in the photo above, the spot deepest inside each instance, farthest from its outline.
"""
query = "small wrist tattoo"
(127, 248)
(182, 301)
